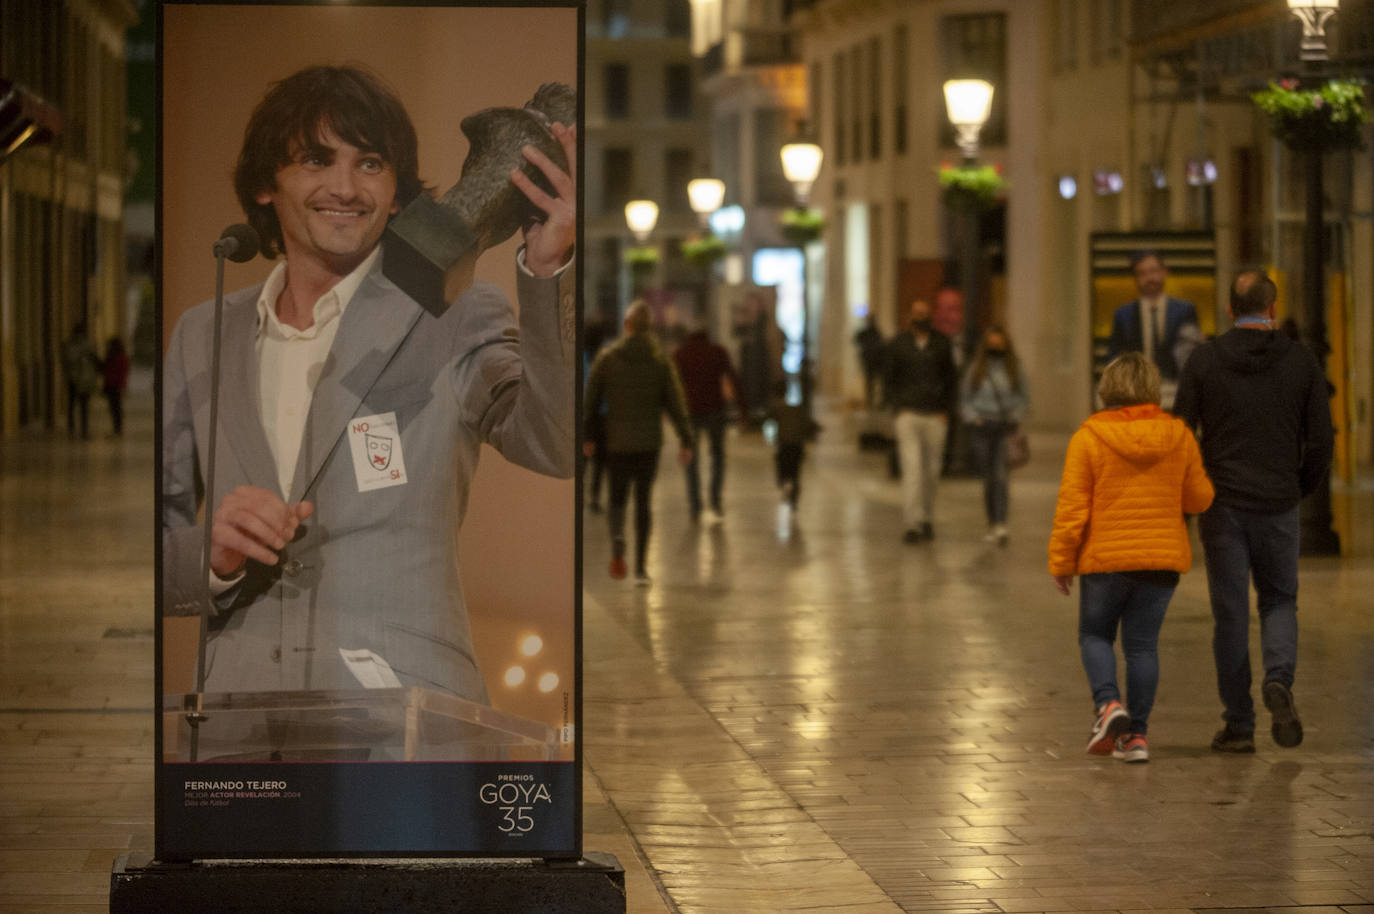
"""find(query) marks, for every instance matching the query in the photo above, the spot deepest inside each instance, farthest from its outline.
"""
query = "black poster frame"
(370, 806)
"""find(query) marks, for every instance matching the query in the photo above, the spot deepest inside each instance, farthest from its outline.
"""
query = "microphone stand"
(194, 707)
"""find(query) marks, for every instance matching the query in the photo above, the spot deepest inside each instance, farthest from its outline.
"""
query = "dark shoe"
(1228, 740)
(1278, 698)
(594, 506)
(911, 536)
(927, 532)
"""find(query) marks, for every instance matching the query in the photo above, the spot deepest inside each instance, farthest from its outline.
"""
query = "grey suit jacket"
(372, 569)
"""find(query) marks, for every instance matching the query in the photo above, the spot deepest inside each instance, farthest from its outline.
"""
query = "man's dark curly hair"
(353, 103)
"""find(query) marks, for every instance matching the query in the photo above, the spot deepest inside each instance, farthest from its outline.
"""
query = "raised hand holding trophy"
(432, 246)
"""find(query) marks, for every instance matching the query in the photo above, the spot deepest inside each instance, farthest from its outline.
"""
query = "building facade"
(61, 194)
(645, 137)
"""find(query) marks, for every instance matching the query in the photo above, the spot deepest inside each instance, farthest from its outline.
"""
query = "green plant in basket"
(972, 186)
(1329, 117)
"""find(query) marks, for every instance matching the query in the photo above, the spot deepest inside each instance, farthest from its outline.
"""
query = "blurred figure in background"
(993, 402)
(1131, 474)
(870, 342)
(81, 366)
(710, 383)
(791, 428)
(636, 383)
(921, 385)
(115, 369)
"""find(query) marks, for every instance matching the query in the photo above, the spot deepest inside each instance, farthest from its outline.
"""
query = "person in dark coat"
(115, 369)
(710, 383)
(636, 383)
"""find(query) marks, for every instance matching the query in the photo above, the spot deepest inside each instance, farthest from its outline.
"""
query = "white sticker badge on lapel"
(375, 443)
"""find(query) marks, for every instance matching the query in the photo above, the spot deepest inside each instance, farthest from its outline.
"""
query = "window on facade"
(677, 18)
(841, 110)
(1107, 30)
(617, 91)
(617, 178)
(900, 74)
(616, 20)
(975, 47)
(1064, 32)
(901, 239)
(677, 171)
(770, 183)
(813, 99)
(875, 99)
(725, 157)
(856, 103)
(677, 80)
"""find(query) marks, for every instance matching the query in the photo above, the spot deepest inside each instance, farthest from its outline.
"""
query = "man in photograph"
(1164, 328)
(350, 418)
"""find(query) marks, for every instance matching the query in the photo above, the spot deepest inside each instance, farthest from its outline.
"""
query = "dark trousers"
(116, 400)
(713, 424)
(636, 469)
(1241, 545)
(78, 403)
(988, 445)
(787, 462)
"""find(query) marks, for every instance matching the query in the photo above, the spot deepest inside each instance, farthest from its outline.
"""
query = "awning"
(24, 118)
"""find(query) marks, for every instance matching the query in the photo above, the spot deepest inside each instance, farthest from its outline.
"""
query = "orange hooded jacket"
(1130, 476)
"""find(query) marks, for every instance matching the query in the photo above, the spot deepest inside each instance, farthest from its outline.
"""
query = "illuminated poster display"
(371, 648)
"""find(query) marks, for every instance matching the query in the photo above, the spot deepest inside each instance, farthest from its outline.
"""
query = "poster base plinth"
(594, 884)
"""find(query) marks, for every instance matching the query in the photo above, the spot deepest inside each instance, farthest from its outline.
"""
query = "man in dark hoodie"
(1259, 403)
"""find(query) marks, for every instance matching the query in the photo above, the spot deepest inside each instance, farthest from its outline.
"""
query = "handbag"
(1015, 441)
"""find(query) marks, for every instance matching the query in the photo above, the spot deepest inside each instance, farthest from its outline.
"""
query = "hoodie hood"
(1141, 434)
(1252, 351)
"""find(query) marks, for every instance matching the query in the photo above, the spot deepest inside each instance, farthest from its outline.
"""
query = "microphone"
(238, 242)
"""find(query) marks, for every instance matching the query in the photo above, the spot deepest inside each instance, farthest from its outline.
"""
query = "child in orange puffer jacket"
(1131, 474)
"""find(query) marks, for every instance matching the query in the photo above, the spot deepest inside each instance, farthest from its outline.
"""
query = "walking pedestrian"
(114, 369)
(81, 366)
(921, 386)
(792, 426)
(1259, 401)
(993, 402)
(710, 383)
(870, 342)
(637, 383)
(1131, 474)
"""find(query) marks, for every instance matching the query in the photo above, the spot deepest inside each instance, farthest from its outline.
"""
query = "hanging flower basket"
(704, 251)
(802, 226)
(1316, 120)
(638, 257)
(972, 186)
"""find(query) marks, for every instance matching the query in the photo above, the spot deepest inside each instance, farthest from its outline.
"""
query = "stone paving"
(810, 717)
(795, 715)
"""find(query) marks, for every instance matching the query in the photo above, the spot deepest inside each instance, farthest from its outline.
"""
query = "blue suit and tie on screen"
(1128, 334)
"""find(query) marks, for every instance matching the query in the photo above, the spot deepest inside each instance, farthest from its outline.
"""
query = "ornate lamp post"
(1318, 537)
(801, 163)
(969, 103)
(641, 216)
(705, 195)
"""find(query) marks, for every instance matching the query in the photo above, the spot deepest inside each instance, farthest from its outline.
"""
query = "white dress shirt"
(1152, 323)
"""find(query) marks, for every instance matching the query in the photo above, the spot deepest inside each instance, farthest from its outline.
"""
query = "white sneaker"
(1000, 534)
(711, 518)
(642, 580)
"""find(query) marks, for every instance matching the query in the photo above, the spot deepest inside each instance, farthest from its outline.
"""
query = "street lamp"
(968, 102)
(1313, 14)
(1317, 535)
(641, 216)
(705, 195)
(801, 163)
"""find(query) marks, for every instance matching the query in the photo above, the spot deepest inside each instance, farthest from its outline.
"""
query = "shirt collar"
(330, 305)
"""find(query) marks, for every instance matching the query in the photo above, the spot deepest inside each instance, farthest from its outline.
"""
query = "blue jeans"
(1103, 601)
(714, 426)
(1240, 545)
(989, 445)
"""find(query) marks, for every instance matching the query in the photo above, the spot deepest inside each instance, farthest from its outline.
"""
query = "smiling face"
(333, 201)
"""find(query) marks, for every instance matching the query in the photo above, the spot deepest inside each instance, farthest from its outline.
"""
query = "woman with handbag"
(993, 401)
